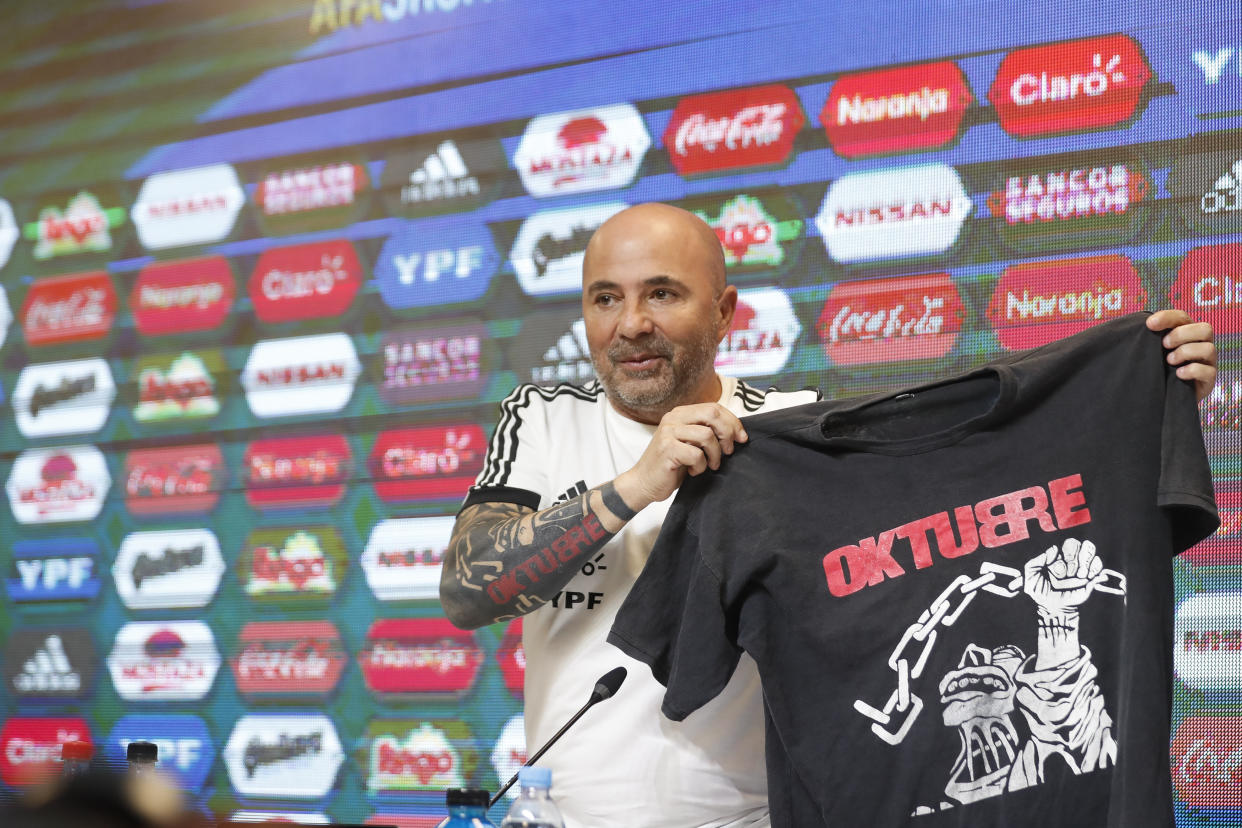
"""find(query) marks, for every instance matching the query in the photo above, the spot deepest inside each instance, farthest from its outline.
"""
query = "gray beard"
(687, 367)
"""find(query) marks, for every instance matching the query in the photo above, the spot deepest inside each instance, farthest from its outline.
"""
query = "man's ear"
(725, 307)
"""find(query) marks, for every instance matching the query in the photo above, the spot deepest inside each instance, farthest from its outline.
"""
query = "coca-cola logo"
(178, 480)
(891, 320)
(430, 463)
(581, 151)
(68, 309)
(1209, 286)
(736, 129)
(304, 563)
(1075, 85)
(288, 658)
(30, 747)
(419, 655)
(1206, 759)
(182, 297)
(1040, 302)
(421, 364)
(904, 109)
(305, 281)
(296, 472)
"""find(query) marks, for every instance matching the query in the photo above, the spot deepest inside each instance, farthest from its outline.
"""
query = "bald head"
(660, 227)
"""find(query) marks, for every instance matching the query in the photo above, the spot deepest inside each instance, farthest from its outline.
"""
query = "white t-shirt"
(623, 764)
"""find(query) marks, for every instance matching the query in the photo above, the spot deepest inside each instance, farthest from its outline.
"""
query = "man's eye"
(604, 300)
(662, 294)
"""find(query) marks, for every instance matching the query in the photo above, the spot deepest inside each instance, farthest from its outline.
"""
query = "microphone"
(605, 688)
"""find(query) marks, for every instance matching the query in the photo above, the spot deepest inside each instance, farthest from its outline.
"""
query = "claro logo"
(429, 463)
(305, 281)
(30, 747)
(1209, 286)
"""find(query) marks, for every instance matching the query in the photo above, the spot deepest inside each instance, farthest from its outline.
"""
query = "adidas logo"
(48, 670)
(569, 360)
(579, 488)
(443, 175)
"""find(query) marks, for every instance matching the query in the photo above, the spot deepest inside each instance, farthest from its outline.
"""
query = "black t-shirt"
(959, 596)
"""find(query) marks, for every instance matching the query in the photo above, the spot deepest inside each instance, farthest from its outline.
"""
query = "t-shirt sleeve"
(675, 619)
(1185, 488)
(514, 470)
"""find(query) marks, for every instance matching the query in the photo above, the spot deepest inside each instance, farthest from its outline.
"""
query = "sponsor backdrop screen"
(268, 268)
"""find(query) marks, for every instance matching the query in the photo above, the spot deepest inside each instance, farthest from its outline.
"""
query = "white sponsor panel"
(1207, 641)
(547, 253)
(403, 557)
(283, 756)
(193, 206)
(6, 315)
(167, 569)
(583, 150)
(301, 375)
(893, 214)
(58, 485)
(9, 234)
(509, 752)
(762, 335)
(164, 661)
(296, 817)
(72, 397)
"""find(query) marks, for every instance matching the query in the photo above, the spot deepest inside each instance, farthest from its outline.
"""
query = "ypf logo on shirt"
(762, 335)
(582, 151)
(178, 386)
(1208, 190)
(186, 749)
(288, 658)
(423, 656)
(30, 747)
(403, 557)
(198, 205)
(164, 661)
(56, 398)
(427, 463)
(168, 569)
(64, 309)
(53, 663)
(757, 232)
(301, 375)
(82, 225)
(1209, 286)
(440, 261)
(53, 569)
(58, 485)
(452, 175)
(283, 755)
(891, 320)
(733, 130)
(301, 565)
(1206, 759)
(296, 472)
(404, 755)
(420, 364)
(305, 281)
(182, 297)
(1207, 641)
(185, 480)
(547, 253)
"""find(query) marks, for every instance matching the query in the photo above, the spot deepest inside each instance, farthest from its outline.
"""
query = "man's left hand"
(1190, 347)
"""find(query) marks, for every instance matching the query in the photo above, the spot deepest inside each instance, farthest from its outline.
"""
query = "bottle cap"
(77, 750)
(535, 777)
(142, 752)
(465, 797)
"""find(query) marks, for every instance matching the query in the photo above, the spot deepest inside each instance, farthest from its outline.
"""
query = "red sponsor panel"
(296, 472)
(904, 109)
(430, 463)
(403, 820)
(1209, 286)
(1224, 547)
(175, 480)
(305, 281)
(181, 297)
(1206, 760)
(1040, 302)
(891, 320)
(288, 658)
(69, 309)
(1077, 85)
(732, 130)
(30, 747)
(512, 658)
(419, 655)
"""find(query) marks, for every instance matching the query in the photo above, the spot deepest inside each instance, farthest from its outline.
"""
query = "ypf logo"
(891, 320)
(1208, 190)
(404, 755)
(1206, 759)
(547, 253)
(288, 658)
(453, 175)
(58, 485)
(733, 130)
(56, 569)
(300, 565)
(301, 375)
(182, 297)
(1207, 641)
(296, 472)
(1209, 286)
(30, 747)
(756, 232)
(184, 480)
(164, 661)
(185, 746)
(65, 309)
(56, 663)
(439, 261)
(169, 569)
(423, 656)
(427, 463)
(762, 335)
(305, 281)
(283, 755)
(82, 226)
(581, 151)
(403, 557)
(178, 386)
(192, 206)
(58, 398)
(422, 365)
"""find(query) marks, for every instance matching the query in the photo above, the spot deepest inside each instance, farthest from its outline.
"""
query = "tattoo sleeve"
(505, 560)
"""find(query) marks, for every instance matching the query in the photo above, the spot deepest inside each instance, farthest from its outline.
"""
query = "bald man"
(563, 516)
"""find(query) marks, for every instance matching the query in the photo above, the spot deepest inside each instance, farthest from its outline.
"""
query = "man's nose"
(635, 320)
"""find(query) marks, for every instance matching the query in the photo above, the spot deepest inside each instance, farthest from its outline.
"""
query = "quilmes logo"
(30, 747)
(404, 755)
(1224, 547)
(305, 281)
(192, 206)
(57, 569)
(893, 213)
(296, 472)
(428, 463)
(1035, 303)
(547, 253)
(168, 569)
(581, 151)
(182, 297)
(301, 375)
(756, 232)
(511, 656)
(283, 755)
(186, 749)
(58, 485)
(449, 176)
(891, 320)
(551, 348)
(177, 480)
(421, 364)
(1207, 641)
(70, 308)
(284, 658)
(419, 656)
(83, 226)
(903, 109)
(315, 196)
(736, 129)
(57, 398)
(1206, 759)
(300, 564)
(178, 386)
(438, 261)
(164, 661)
(403, 557)
(54, 663)
(509, 751)
(1092, 83)
(9, 233)
(1208, 189)
(1209, 286)
(762, 335)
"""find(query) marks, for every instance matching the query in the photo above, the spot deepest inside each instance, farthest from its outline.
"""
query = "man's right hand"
(689, 440)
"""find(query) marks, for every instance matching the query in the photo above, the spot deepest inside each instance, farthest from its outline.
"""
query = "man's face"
(654, 317)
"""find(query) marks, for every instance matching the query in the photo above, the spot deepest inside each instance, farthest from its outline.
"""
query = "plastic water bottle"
(534, 807)
(467, 808)
(142, 757)
(75, 759)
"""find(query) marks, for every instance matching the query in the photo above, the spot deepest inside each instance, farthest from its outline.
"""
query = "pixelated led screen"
(268, 267)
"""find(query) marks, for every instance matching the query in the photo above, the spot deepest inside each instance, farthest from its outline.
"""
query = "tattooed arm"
(505, 560)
